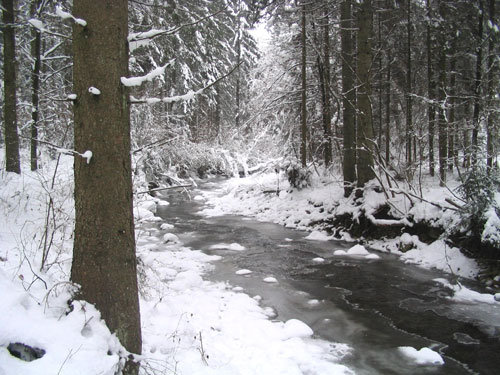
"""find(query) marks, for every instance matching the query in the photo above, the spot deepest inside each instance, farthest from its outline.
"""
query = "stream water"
(375, 306)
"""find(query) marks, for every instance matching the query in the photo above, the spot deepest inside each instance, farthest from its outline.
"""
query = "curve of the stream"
(375, 306)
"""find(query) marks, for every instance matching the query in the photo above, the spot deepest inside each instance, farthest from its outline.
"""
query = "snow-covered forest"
(152, 151)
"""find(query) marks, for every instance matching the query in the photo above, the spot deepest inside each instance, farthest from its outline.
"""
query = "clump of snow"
(318, 260)
(224, 246)
(243, 272)
(372, 256)
(170, 238)
(313, 302)
(424, 356)
(65, 15)
(87, 155)
(318, 236)
(138, 81)
(166, 226)
(358, 250)
(270, 279)
(37, 24)
(94, 91)
(71, 96)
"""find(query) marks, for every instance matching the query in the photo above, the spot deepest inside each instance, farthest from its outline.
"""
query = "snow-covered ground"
(189, 325)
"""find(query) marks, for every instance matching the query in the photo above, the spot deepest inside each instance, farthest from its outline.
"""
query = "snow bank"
(224, 246)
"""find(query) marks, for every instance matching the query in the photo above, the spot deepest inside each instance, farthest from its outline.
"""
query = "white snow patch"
(318, 236)
(94, 90)
(424, 356)
(170, 238)
(358, 250)
(224, 246)
(243, 272)
(465, 295)
(270, 279)
(166, 226)
(318, 260)
(296, 328)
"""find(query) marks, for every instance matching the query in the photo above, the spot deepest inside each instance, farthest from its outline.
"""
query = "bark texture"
(12, 163)
(365, 118)
(348, 97)
(104, 260)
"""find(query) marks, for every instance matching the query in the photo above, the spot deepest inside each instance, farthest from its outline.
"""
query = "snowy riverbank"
(189, 325)
(310, 208)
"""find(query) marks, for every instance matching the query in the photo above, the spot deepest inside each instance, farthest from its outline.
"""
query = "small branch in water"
(165, 188)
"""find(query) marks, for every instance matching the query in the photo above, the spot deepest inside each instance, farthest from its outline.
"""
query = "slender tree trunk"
(388, 110)
(442, 133)
(238, 69)
(451, 115)
(12, 161)
(365, 124)
(325, 90)
(477, 87)
(35, 84)
(431, 108)
(349, 97)
(104, 259)
(303, 105)
(409, 114)
(491, 132)
(380, 83)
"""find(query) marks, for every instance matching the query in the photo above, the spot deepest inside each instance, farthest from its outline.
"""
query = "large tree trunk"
(365, 126)
(12, 162)
(35, 86)
(104, 260)
(348, 97)
(303, 102)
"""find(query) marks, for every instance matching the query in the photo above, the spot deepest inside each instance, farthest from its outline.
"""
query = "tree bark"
(35, 86)
(477, 86)
(442, 126)
(303, 102)
(327, 115)
(348, 97)
(431, 108)
(104, 260)
(12, 160)
(409, 114)
(491, 132)
(365, 125)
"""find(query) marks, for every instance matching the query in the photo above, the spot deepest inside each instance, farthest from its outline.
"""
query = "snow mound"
(317, 236)
(372, 256)
(170, 238)
(424, 356)
(243, 272)
(318, 260)
(358, 250)
(78, 342)
(270, 280)
(224, 246)
(296, 328)
(166, 226)
(186, 280)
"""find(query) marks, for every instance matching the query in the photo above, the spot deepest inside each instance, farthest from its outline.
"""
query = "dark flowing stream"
(375, 306)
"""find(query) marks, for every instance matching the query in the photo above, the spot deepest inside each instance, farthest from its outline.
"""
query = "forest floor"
(190, 325)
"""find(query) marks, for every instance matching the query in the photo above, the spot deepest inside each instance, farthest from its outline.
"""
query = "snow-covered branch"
(138, 81)
(65, 16)
(188, 96)
(151, 34)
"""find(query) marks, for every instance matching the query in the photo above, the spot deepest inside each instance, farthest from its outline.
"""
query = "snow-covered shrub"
(298, 176)
(478, 191)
